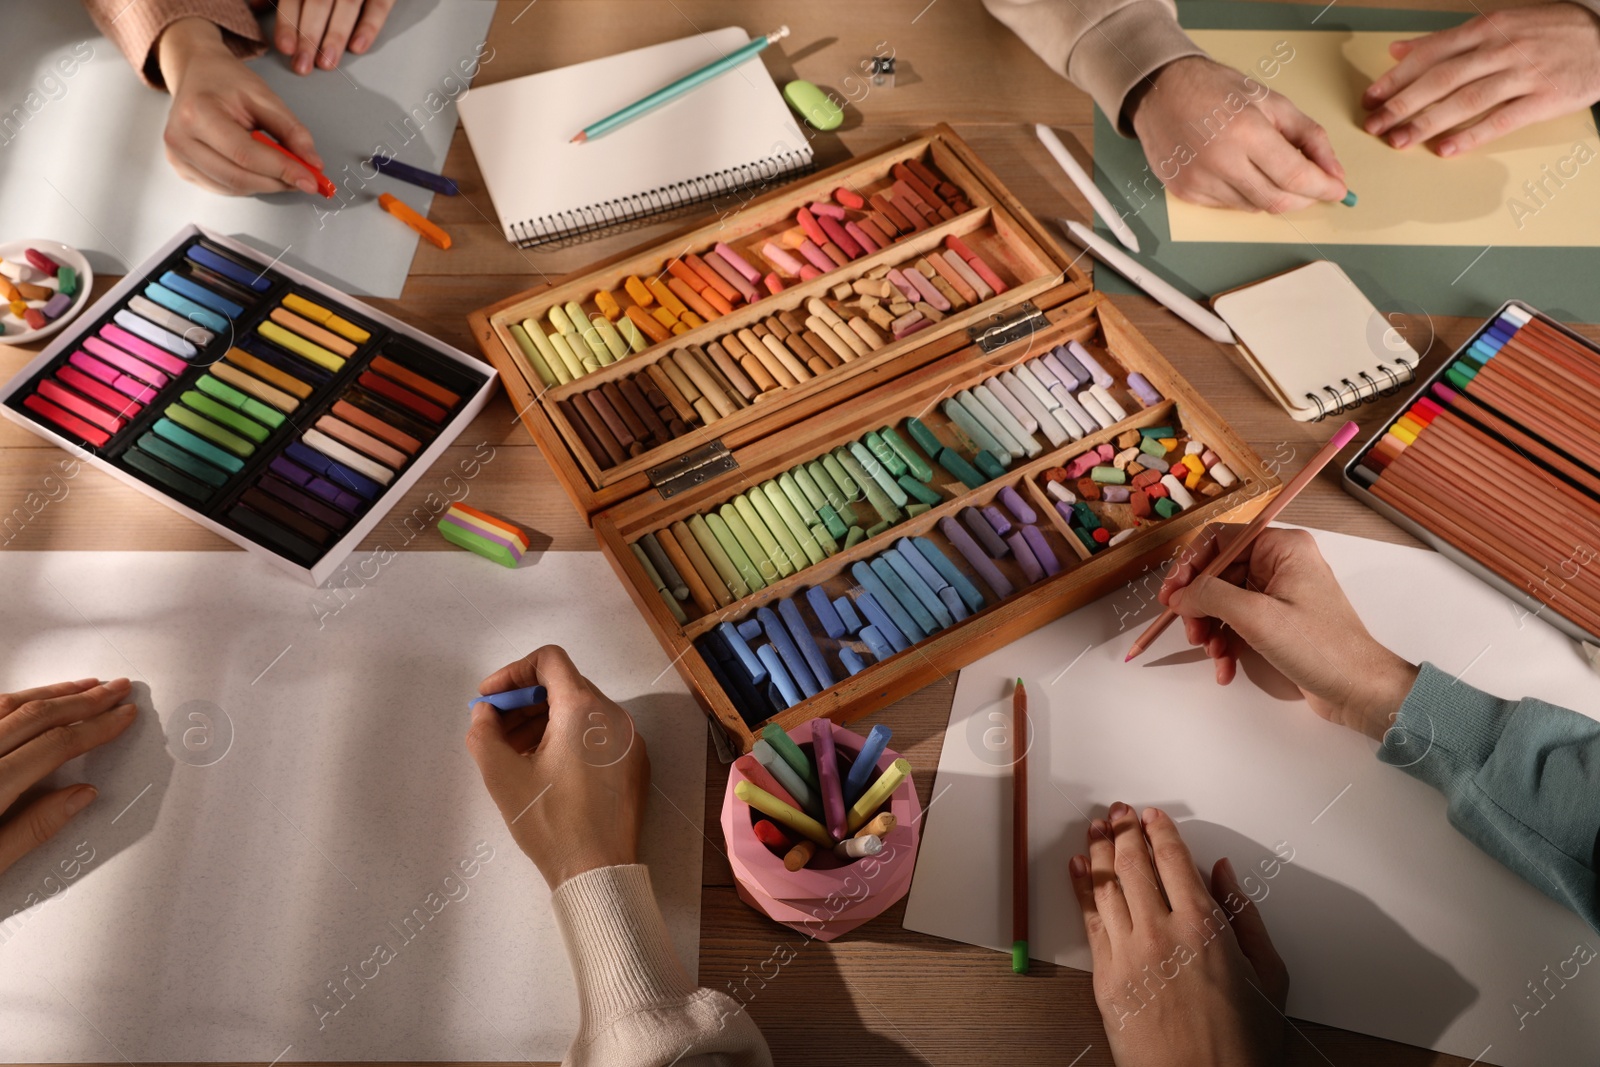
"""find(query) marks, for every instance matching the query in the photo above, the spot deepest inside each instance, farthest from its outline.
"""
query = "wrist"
(1389, 680)
(565, 868)
(1147, 86)
(181, 42)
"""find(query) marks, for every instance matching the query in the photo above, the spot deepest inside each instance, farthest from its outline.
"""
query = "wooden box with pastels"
(861, 432)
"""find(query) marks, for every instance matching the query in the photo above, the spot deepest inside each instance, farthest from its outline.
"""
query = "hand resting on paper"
(216, 102)
(1281, 599)
(320, 30)
(1220, 139)
(1184, 974)
(40, 729)
(1463, 87)
(571, 783)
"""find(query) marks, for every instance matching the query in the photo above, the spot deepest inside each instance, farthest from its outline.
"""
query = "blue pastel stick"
(333, 470)
(750, 702)
(226, 267)
(794, 663)
(893, 611)
(529, 697)
(847, 615)
(952, 601)
(415, 175)
(197, 292)
(902, 594)
(970, 596)
(919, 563)
(789, 612)
(822, 608)
(880, 620)
(749, 629)
(852, 660)
(855, 783)
(876, 644)
(782, 684)
(919, 588)
(160, 294)
(747, 659)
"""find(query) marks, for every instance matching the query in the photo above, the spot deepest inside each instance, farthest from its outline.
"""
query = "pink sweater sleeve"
(135, 26)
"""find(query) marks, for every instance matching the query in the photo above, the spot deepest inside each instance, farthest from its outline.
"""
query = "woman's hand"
(40, 729)
(320, 30)
(1481, 80)
(570, 780)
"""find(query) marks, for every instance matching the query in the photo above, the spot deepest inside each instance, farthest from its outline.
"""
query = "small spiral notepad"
(1318, 344)
(731, 134)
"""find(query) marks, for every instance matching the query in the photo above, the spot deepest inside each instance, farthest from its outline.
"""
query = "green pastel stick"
(191, 442)
(847, 485)
(989, 464)
(797, 497)
(885, 507)
(878, 527)
(854, 536)
(778, 738)
(922, 435)
(808, 485)
(956, 464)
(788, 547)
(174, 456)
(531, 353)
(226, 416)
(608, 333)
(914, 488)
(209, 430)
(791, 518)
(830, 518)
(720, 560)
(730, 544)
(547, 350)
(661, 587)
(887, 456)
(969, 425)
(830, 489)
(916, 464)
(1152, 447)
(878, 472)
(780, 560)
(1157, 431)
(824, 539)
(748, 543)
(913, 510)
(66, 280)
(248, 404)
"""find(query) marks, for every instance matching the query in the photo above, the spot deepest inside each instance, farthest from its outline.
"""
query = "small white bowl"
(17, 330)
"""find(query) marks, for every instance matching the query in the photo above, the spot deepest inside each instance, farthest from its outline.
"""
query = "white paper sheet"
(301, 788)
(1390, 921)
(82, 160)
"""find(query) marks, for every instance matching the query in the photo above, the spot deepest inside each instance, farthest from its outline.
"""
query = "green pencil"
(678, 88)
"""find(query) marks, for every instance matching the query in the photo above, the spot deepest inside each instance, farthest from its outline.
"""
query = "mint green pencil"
(678, 88)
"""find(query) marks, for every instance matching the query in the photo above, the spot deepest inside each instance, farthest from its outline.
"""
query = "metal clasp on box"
(692, 468)
(1004, 327)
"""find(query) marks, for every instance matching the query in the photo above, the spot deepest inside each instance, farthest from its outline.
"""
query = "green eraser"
(487, 549)
(812, 104)
(1019, 957)
(1349, 199)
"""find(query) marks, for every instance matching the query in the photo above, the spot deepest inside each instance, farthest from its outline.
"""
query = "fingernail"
(1447, 149)
(1118, 810)
(79, 799)
(359, 42)
(1078, 866)
(126, 711)
(119, 683)
(306, 185)
(1373, 124)
(1148, 816)
(1399, 139)
(302, 65)
(1227, 868)
(1100, 827)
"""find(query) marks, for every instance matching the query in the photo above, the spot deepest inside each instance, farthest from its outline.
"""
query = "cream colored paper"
(1539, 186)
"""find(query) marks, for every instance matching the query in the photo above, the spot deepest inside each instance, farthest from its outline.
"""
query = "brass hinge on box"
(1005, 327)
(691, 468)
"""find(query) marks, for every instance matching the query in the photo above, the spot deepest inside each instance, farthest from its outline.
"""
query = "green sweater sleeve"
(1522, 778)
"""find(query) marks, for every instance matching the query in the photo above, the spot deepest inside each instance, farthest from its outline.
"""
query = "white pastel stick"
(1003, 393)
(1109, 402)
(1159, 290)
(1091, 192)
(1038, 411)
(1096, 410)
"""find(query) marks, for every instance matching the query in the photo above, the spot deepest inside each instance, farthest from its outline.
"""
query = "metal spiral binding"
(1407, 372)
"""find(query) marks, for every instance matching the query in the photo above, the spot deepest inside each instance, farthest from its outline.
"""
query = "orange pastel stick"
(686, 293)
(712, 279)
(400, 210)
(646, 323)
(521, 537)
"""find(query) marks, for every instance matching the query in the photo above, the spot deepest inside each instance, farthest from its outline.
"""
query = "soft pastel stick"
(769, 805)
(876, 643)
(877, 794)
(527, 697)
(200, 294)
(758, 776)
(970, 596)
(920, 589)
(881, 623)
(1041, 549)
(833, 808)
(782, 690)
(403, 211)
(747, 659)
(781, 742)
(822, 608)
(871, 580)
(855, 782)
(799, 669)
(177, 313)
(125, 363)
(976, 557)
(805, 642)
(415, 175)
(847, 615)
(853, 663)
(490, 546)
(141, 337)
(228, 268)
(804, 793)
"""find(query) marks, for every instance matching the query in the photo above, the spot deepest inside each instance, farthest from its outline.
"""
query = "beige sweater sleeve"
(135, 26)
(1105, 47)
(637, 1006)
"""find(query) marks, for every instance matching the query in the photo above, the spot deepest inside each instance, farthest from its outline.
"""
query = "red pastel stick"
(768, 834)
(324, 185)
(761, 778)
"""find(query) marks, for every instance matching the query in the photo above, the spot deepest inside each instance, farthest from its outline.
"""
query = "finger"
(1469, 102)
(271, 114)
(1094, 928)
(1313, 143)
(1263, 190)
(374, 13)
(1251, 932)
(1175, 866)
(233, 179)
(524, 737)
(10, 702)
(30, 763)
(549, 666)
(1421, 54)
(308, 33)
(1450, 79)
(284, 35)
(36, 716)
(1497, 123)
(1214, 598)
(1109, 901)
(341, 20)
(1210, 190)
(1134, 870)
(1197, 556)
(39, 821)
(498, 760)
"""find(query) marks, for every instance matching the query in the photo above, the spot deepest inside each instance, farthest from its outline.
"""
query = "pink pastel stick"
(738, 262)
(807, 272)
(732, 276)
(925, 287)
(93, 367)
(860, 237)
(905, 287)
(780, 258)
(143, 349)
(827, 761)
(832, 211)
(773, 283)
(840, 237)
(122, 361)
(761, 778)
(816, 256)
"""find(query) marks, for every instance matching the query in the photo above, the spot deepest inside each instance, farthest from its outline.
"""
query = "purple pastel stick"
(1017, 506)
(827, 761)
(738, 262)
(477, 531)
(976, 558)
(56, 306)
(1114, 494)
(1102, 377)
(290, 471)
(1041, 370)
(1155, 463)
(1141, 388)
(1063, 373)
(1065, 511)
(1032, 570)
(335, 496)
(1041, 549)
(953, 602)
(997, 519)
(983, 532)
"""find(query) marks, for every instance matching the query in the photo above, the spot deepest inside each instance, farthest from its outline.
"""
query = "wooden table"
(883, 995)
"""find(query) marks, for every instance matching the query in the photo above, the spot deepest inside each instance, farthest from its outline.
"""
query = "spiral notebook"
(1317, 343)
(731, 134)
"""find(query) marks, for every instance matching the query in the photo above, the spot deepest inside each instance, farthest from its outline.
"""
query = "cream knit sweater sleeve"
(637, 1006)
(1106, 47)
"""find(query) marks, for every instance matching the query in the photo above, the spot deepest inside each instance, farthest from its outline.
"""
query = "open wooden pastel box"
(837, 540)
